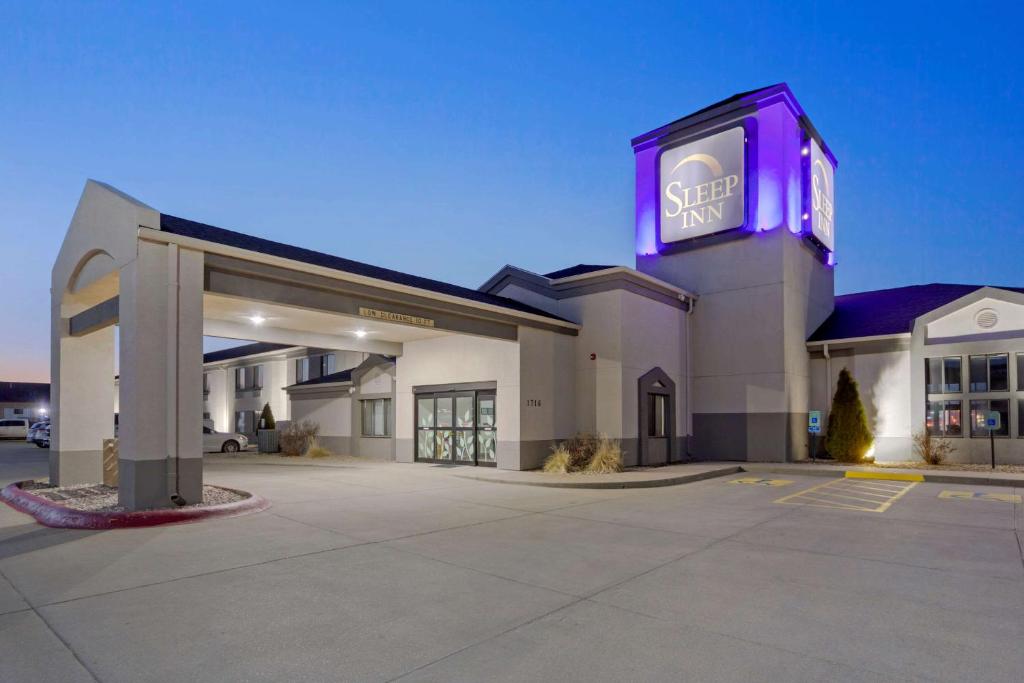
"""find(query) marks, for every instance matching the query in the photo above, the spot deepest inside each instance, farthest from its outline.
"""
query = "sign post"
(993, 423)
(813, 428)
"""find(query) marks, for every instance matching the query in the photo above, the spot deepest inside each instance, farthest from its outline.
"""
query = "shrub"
(848, 438)
(318, 451)
(607, 458)
(932, 450)
(298, 436)
(267, 420)
(558, 461)
(581, 449)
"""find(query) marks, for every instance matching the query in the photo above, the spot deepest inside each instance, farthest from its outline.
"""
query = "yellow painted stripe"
(891, 476)
(871, 484)
(885, 506)
(786, 499)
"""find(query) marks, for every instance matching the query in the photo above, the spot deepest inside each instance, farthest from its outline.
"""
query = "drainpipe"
(689, 369)
(828, 377)
(173, 361)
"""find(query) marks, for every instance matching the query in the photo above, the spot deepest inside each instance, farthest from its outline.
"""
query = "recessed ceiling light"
(360, 333)
(257, 319)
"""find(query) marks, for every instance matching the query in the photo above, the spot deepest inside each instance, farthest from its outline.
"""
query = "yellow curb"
(891, 476)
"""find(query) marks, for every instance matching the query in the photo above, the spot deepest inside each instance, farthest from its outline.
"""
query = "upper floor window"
(990, 373)
(312, 367)
(301, 369)
(1020, 372)
(249, 378)
(943, 375)
(206, 384)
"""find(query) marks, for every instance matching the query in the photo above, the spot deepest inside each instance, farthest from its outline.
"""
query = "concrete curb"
(627, 484)
(756, 468)
(49, 513)
(931, 476)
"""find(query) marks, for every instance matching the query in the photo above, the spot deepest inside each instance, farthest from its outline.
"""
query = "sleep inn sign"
(702, 186)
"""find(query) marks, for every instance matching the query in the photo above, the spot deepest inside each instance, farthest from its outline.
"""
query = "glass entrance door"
(456, 427)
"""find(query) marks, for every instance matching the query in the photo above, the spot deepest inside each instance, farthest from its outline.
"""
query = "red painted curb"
(51, 514)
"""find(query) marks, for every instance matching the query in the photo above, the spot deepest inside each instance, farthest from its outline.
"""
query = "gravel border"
(103, 498)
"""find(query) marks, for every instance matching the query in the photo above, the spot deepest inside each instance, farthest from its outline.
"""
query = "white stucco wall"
(884, 382)
(333, 414)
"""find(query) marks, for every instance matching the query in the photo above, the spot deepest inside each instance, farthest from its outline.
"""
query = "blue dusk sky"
(448, 139)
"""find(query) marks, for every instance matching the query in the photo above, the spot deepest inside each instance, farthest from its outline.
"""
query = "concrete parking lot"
(404, 572)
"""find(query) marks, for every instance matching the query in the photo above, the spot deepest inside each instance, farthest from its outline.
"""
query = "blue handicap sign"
(814, 422)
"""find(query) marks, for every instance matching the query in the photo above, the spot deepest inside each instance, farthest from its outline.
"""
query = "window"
(1020, 415)
(315, 366)
(942, 375)
(1020, 372)
(301, 369)
(245, 421)
(990, 373)
(376, 417)
(206, 384)
(656, 414)
(19, 411)
(944, 418)
(979, 409)
(249, 378)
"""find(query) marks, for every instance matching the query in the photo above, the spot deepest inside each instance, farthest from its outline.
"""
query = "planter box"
(268, 440)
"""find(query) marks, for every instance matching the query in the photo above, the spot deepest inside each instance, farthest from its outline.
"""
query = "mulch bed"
(103, 498)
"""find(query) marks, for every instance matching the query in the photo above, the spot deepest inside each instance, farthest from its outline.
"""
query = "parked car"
(223, 442)
(14, 428)
(41, 436)
(35, 429)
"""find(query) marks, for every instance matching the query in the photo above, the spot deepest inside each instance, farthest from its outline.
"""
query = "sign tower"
(736, 203)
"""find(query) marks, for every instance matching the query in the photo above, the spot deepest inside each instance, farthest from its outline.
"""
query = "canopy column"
(161, 363)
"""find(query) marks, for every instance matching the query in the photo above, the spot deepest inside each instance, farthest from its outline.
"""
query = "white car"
(223, 442)
(14, 428)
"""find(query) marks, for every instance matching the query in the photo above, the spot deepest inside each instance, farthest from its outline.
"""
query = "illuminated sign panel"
(702, 187)
(822, 205)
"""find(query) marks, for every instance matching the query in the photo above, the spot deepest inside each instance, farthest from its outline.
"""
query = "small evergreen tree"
(267, 418)
(849, 437)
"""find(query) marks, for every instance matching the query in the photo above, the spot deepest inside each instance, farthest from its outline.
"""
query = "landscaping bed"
(918, 465)
(95, 506)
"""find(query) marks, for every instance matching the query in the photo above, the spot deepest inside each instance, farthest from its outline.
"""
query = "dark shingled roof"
(888, 311)
(243, 351)
(578, 269)
(210, 233)
(24, 392)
